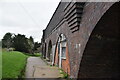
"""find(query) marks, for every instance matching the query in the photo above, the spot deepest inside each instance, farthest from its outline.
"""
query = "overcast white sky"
(28, 17)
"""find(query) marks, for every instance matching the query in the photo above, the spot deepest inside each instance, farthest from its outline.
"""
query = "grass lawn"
(33, 55)
(13, 64)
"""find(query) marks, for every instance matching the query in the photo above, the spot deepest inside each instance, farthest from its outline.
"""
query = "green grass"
(13, 64)
(34, 55)
(65, 75)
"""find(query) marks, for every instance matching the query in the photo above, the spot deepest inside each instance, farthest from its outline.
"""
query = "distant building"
(82, 38)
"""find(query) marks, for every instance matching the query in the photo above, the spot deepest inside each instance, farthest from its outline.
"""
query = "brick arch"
(101, 54)
(92, 13)
(77, 41)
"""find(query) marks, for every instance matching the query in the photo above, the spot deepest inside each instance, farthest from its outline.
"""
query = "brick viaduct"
(91, 32)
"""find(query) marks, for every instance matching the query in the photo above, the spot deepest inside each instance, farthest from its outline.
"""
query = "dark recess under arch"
(102, 54)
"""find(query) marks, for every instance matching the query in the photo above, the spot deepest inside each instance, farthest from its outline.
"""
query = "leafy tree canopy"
(20, 43)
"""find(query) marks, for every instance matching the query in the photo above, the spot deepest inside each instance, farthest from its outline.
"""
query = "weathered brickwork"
(78, 38)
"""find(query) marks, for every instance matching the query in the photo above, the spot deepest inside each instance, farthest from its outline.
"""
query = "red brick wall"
(65, 62)
(77, 41)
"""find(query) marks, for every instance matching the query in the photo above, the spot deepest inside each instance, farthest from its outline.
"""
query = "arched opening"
(57, 51)
(49, 54)
(102, 54)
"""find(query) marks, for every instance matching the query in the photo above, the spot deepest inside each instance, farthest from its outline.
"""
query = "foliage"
(65, 75)
(13, 64)
(34, 55)
(7, 40)
(36, 46)
(0, 43)
(30, 45)
(20, 43)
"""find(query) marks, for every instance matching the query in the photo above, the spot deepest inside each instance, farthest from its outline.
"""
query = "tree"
(31, 44)
(0, 43)
(20, 43)
(7, 40)
(37, 46)
(31, 39)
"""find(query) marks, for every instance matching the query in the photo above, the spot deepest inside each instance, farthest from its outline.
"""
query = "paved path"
(37, 68)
